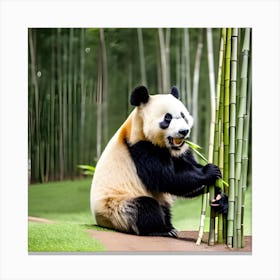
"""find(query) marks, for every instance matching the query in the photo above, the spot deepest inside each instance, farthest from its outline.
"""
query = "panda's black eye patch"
(168, 117)
(165, 123)
(184, 117)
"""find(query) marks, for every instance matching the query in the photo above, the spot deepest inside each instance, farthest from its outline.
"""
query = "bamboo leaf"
(86, 167)
(193, 145)
(195, 148)
(200, 154)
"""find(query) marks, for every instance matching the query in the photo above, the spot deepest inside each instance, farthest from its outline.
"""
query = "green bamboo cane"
(241, 113)
(226, 104)
(221, 225)
(218, 133)
(232, 127)
(244, 163)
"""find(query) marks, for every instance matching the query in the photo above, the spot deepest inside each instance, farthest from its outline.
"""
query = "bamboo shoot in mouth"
(194, 147)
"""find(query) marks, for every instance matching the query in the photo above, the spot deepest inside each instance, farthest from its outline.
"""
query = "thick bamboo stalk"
(245, 151)
(212, 93)
(205, 196)
(218, 131)
(232, 128)
(226, 104)
(241, 113)
(213, 110)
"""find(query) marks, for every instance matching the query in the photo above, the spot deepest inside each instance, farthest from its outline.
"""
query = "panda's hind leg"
(147, 217)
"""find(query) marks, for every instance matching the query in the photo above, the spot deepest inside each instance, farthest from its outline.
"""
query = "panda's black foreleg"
(152, 219)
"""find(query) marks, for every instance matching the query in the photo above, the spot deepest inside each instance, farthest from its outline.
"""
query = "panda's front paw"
(212, 173)
(220, 203)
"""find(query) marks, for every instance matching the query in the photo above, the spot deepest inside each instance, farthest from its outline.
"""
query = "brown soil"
(185, 243)
(121, 242)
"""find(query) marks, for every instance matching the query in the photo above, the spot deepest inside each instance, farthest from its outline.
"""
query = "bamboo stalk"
(163, 60)
(205, 196)
(245, 152)
(83, 95)
(226, 105)
(219, 183)
(213, 109)
(232, 128)
(60, 102)
(218, 139)
(181, 58)
(188, 71)
(241, 113)
(196, 83)
(212, 93)
(36, 143)
(70, 102)
(141, 56)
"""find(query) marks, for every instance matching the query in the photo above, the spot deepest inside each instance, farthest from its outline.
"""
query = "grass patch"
(61, 237)
(66, 201)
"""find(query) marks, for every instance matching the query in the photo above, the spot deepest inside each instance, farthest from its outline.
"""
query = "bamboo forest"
(80, 80)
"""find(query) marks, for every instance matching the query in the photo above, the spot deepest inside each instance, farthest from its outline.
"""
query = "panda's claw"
(173, 233)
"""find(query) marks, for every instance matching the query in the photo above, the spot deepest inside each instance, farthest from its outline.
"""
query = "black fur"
(220, 205)
(139, 95)
(175, 92)
(160, 172)
(151, 218)
(166, 122)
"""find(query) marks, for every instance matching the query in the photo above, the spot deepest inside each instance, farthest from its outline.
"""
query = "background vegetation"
(80, 80)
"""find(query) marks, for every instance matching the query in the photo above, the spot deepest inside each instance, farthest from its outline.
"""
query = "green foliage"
(87, 169)
(195, 148)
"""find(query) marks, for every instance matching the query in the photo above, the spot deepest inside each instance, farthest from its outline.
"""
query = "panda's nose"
(184, 132)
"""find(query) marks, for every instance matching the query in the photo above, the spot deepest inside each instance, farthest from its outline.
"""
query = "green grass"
(61, 237)
(67, 203)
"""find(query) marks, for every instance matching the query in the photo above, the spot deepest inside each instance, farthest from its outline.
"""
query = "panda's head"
(166, 121)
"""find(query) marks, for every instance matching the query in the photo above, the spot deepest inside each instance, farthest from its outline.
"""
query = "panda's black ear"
(175, 92)
(139, 95)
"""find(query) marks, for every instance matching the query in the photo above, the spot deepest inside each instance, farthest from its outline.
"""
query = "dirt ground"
(185, 243)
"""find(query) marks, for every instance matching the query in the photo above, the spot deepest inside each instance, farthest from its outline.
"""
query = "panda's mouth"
(176, 142)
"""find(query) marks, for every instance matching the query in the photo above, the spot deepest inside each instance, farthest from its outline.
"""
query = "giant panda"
(146, 164)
